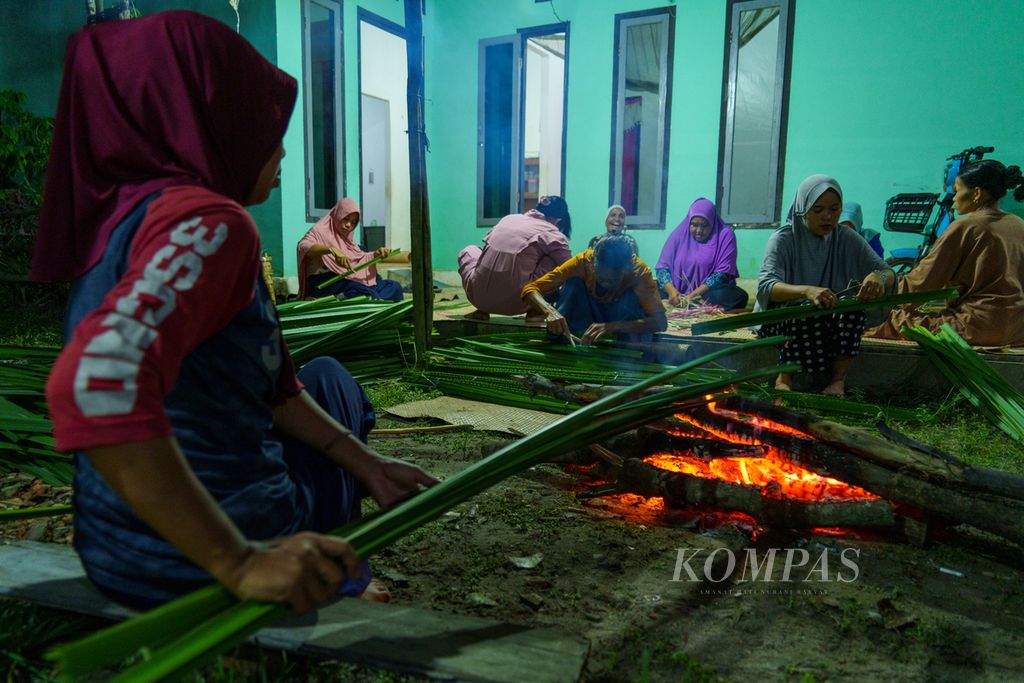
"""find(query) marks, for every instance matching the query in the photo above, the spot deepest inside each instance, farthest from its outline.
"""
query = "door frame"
(524, 35)
(392, 28)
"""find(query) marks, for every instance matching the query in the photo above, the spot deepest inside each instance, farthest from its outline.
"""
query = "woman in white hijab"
(809, 259)
(614, 221)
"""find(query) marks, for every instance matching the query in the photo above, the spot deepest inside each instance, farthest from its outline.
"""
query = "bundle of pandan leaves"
(26, 434)
(493, 368)
(372, 338)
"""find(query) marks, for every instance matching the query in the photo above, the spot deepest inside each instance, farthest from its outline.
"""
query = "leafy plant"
(485, 368)
(372, 338)
(24, 152)
(26, 443)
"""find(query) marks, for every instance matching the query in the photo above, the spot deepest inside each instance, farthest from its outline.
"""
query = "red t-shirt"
(191, 268)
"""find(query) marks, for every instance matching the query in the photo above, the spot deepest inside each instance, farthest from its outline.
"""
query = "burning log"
(927, 461)
(704, 448)
(766, 504)
(943, 488)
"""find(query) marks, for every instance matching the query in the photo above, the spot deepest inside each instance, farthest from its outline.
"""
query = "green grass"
(27, 631)
(384, 395)
(635, 658)
(961, 430)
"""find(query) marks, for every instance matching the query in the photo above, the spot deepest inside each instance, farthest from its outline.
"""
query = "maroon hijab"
(175, 98)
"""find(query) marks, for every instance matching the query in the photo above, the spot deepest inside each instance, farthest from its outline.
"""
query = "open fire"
(748, 475)
(773, 472)
(742, 458)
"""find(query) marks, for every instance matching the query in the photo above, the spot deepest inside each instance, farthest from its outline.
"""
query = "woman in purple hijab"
(699, 261)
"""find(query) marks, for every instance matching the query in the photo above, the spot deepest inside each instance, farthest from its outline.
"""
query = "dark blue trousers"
(581, 310)
(384, 289)
(331, 494)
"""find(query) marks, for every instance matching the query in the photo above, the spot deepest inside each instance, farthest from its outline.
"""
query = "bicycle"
(913, 212)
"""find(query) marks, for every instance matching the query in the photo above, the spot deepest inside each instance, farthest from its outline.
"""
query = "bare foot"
(375, 591)
(782, 386)
(837, 389)
(479, 316)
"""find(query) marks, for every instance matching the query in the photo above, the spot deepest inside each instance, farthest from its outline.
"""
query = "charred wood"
(683, 490)
(941, 497)
(928, 463)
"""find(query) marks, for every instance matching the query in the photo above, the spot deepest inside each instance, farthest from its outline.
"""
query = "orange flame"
(774, 472)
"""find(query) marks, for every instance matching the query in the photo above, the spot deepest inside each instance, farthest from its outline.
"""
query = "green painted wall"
(875, 101)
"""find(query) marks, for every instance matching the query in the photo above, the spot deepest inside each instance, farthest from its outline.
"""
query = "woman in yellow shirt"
(604, 290)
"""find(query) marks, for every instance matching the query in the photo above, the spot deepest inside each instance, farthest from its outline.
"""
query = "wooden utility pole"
(419, 207)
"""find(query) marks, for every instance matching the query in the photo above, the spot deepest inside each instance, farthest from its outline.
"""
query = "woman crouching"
(606, 290)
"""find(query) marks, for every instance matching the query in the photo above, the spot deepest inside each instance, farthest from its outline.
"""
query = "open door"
(383, 140)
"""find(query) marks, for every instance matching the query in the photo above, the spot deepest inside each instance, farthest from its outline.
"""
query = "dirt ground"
(951, 612)
(529, 551)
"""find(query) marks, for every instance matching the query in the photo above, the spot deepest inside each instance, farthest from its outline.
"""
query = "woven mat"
(480, 416)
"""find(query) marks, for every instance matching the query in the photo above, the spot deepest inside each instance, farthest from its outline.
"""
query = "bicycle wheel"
(901, 266)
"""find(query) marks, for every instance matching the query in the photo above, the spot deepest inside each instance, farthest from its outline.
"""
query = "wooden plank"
(419, 208)
(397, 637)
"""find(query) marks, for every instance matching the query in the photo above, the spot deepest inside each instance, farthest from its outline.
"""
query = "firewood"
(682, 489)
(657, 440)
(930, 464)
(934, 490)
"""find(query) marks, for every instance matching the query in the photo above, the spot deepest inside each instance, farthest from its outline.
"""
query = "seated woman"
(614, 221)
(982, 253)
(518, 250)
(329, 249)
(605, 290)
(200, 455)
(810, 259)
(853, 218)
(699, 261)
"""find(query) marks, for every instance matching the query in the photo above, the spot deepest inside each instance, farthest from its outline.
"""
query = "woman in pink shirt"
(517, 251)
(329, 248)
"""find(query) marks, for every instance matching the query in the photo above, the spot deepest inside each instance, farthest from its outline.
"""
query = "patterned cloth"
(664, 277)
(816, 342)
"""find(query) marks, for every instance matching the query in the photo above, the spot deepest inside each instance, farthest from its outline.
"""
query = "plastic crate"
(909, 212)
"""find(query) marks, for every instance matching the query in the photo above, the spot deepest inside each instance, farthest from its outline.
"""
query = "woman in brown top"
(982, 253)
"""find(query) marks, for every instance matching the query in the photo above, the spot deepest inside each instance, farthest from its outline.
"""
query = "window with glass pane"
(521, 120)
(324, 120)
(642, 98)
(754, 112)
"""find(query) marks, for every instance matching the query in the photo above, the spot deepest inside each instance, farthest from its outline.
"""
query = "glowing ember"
(654, 504)
(774, 472)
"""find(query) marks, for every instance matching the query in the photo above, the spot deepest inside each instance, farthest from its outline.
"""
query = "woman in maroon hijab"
(199, 452)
